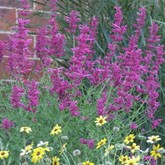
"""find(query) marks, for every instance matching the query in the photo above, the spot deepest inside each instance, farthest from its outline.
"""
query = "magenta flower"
(83, 141)
(42, 47)
(6, 124)
(15, 99)
(101, 109)
(118, 29)
(133, 126)
(26, 7)
(73, 21)
(90, 143)
(150, 159)
(156, 122)
(32, 95)
(18, 51)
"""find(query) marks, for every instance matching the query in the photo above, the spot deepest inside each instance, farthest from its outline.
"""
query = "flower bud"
(76, 152)
(120, 146)
(141, 137)
(64, 137)
(116, 129)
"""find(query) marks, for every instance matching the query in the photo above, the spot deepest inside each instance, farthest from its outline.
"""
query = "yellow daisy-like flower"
(27, 150)
(26, 129)
(123, 159)
(88, 163)
(55, 161)
(134, 147)
(129, 139)
(4, 154)
(44, 145)
(155, 152)
(131, 162)
(101, 120)
(56, 130)
(29, 147)
(153, 139)
(107, 150)
(137, 158)
(38, 154)
(63, 148)
(101, 143)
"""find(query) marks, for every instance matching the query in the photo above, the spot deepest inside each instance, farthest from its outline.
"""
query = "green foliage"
(48, 115)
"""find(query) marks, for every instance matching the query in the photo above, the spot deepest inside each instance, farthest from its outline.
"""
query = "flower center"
(101, 121)
(130, 163)
(101, 143)
(124, 159)
(55, 163)
(3, 153)
(129, 138)
(38, 153)
(154, 139)
(132, 147)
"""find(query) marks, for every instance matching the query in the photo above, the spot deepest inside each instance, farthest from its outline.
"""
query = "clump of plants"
(86, 108)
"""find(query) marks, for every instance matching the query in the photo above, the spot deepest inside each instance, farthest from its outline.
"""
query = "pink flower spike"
(133, 126)
(156, 122)
(6, 124)
(91, 143)
(73, 21)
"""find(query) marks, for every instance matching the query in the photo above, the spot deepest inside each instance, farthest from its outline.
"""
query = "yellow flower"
(131, 162)
(134, 147)
(155, 152)
(107, 151)
(4, 154)
(55, 161)
(25, 129)
(123, 159)
(27, 150)
(63, 148)
(101, 143)
(38, 154)
(153, 139)
(101, 120)
(137, 158)
(44, 145)
(56, 130)
(129, 139)
(88, 163)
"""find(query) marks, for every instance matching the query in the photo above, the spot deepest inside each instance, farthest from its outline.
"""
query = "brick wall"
(9, 14)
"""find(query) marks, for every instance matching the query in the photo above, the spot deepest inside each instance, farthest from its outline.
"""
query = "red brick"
(42, 4)
(10, 3)
(7, 18)
(13, 3)
(37, 19)
(4, 37)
